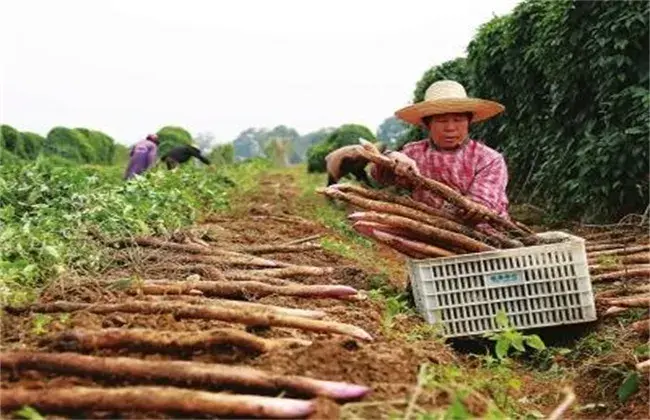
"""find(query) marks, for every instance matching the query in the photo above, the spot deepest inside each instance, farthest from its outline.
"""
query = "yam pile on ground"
(218, 290)
(619, 265)
(420, 231)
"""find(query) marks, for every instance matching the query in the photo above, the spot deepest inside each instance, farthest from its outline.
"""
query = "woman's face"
(449, 130)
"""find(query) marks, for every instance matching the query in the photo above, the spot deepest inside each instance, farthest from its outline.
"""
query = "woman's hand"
(403, 164)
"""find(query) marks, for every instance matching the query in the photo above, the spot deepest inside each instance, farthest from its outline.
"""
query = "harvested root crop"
(156, 341)
(598, 269)
(272, 249)
(408, 247)
(620, 251)
(234, 304)
(603, 247)
(305, 239)
(210, 255)
(225, 260)
(640, 258)
(624, 274)
(641, 327)
(453, 239)
(285, 272)
(444, 191)
(629, 301)
(643, 366)
(179, 373)
(153, 399)
(182, 310)
(244, 289)
(397, 199)
(615, 310)
(204, 270)
(417, 215)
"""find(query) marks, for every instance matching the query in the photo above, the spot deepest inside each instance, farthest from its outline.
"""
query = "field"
(161, 271)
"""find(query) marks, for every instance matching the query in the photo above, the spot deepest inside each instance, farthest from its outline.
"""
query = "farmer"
(347, 160)
(142, 156)
(449, 155)
(181, 154)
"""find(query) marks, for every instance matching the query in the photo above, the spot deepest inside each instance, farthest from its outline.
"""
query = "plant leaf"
(502, 348)
(629, 386)
(501, 319)
(535, 342)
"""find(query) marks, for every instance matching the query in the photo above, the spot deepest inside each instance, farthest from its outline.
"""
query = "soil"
(388, 364)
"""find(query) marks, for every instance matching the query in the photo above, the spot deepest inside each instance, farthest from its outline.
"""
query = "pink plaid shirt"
(475, 170)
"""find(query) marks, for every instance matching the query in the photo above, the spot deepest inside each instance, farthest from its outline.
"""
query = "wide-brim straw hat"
(448, 96)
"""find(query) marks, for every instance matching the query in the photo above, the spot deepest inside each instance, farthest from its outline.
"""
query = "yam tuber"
(147, 340)
(277, 248)
(292, 271)
(407, 212)
(226, 303)
(243, 289)
(400, 244)
(178, 373)
(153, 399)
(625, 274)
(188, 311)
(445, 236)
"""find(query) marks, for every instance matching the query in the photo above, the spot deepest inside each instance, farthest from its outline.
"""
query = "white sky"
(130, 67)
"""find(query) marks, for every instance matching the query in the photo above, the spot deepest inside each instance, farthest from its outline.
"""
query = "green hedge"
(573, 76)
(342, 136)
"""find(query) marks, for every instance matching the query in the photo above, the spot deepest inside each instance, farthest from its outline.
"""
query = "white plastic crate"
(537, 286)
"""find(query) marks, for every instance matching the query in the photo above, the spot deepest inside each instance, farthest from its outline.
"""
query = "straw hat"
(448, 96)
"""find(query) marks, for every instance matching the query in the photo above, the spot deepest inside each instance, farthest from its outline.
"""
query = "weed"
(509, 338)
(40, 323)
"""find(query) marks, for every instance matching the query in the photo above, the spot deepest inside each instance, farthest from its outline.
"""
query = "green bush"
(32, 144)
(70, 144)
(49, 211)
(172, 136)
(342, 136)
(223, 154)
(12, 140)
(574, 79)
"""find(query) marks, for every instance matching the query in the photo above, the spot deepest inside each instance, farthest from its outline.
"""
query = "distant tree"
(390, 130)
(278, 150)
(342, 136)
(303, 143)
(246, 144)
(222, 154)
(205, 141)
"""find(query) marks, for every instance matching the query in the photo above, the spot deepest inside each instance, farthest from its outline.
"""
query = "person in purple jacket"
(143, 156)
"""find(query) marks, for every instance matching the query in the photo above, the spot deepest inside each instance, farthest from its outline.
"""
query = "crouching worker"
(181, 154)
(142, 156)
(348, 160)
(449, 155)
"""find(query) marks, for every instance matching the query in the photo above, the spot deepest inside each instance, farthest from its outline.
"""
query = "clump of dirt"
(389, 367)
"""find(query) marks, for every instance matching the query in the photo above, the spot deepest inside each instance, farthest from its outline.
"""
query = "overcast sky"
(130, 67)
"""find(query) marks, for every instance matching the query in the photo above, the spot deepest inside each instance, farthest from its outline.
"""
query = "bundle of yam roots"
(420, 231)
(619, 264)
